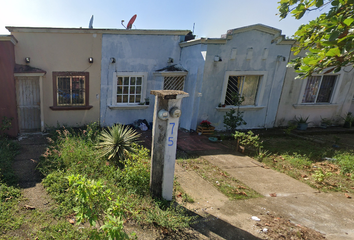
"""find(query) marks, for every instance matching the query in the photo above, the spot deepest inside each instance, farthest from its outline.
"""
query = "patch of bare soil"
(273, 227)
(25, 167)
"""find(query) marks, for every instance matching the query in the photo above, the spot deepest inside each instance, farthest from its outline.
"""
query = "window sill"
(58, 108)
(128, 106)
(242, 108)
(304, 106)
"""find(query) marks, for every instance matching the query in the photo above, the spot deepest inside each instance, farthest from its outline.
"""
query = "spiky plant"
(116, 141)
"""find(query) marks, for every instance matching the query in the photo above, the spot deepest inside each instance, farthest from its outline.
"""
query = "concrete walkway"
(328, 213)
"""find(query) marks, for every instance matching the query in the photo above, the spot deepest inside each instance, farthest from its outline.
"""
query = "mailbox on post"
(164, 141)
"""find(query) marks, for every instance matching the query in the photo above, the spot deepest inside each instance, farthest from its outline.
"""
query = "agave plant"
(116, 141)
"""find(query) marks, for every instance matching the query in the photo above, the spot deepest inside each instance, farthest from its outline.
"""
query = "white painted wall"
(214, 74)
(290, 102)
(192, 59)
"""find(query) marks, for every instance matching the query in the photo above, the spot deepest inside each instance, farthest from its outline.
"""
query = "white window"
(129, 88)
(319, 89)
(247, 84)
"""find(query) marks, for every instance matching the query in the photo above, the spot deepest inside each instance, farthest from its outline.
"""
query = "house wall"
(55, 51)
(262, 115)
(7, 83)
(290, 105)
(193, 61)
(134, 53)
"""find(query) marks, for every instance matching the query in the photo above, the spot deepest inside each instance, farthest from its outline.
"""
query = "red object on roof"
(131, 21)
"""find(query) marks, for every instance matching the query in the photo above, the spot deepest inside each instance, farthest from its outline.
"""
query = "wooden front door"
(28, 104)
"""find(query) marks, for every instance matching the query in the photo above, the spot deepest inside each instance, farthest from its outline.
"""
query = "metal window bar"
(311, 89)
(70, 90)
(326, 89)
(174, 83)
(319, 89)
(234, 85)
(246, 86)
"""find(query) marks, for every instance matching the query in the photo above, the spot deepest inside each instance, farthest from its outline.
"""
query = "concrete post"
(164, 141)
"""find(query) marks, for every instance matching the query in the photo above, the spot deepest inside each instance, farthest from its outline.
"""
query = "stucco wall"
(63, 52)
(290, 102)
(7, 83)
(214, 74)
(192, 59)
(134, 53)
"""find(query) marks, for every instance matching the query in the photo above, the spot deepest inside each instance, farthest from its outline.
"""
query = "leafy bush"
(248, 139)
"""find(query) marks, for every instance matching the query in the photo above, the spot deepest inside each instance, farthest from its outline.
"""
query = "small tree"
(232, 121)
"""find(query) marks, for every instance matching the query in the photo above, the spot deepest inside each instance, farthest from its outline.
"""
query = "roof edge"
(97, 30)
(8, 38)
(204, 41)
(259, 27)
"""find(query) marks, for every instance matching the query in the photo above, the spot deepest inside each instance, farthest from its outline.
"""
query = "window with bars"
(173, 83)
(319, 89)
(245, 86)
(129, 88)
(70, 91)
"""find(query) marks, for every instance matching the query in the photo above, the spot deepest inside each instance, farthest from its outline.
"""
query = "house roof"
(97, 31)
(8, 38)
(27, 69)
(278, 38)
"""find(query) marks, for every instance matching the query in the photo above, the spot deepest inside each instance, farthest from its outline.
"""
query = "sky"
(212, 18)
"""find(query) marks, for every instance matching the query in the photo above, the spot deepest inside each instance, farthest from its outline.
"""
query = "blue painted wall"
(134, 53)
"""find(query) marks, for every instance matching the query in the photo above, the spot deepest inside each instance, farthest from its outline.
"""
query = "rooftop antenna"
(193, 27)
(91, 22)
(131, 21)
(123, 24)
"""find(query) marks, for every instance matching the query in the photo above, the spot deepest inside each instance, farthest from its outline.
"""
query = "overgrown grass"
(73, 153)
(319, 165)
(8, 150)
(9, 195)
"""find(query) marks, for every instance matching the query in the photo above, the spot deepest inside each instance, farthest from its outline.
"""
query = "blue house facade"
(251, 60)
(130, 66)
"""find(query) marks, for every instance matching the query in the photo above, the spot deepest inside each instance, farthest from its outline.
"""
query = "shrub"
(116, 142)
(248, 139)
(5, 124)
(232, 121)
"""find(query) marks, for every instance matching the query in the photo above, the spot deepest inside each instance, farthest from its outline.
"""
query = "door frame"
(40, 77)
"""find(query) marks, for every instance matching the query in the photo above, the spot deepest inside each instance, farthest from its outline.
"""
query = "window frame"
(260, 90)
(128, 74)
(334, 91)
(84, 106)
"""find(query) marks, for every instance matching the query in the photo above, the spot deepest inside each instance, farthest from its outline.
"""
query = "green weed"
(98, 183)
